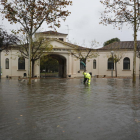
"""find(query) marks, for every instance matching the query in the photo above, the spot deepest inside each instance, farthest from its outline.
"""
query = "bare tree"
(31, 14)
(117, 55)
(39, 47)
(118, 12)
(84, 53)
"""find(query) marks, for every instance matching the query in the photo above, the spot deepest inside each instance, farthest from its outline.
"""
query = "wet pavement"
(65, 109)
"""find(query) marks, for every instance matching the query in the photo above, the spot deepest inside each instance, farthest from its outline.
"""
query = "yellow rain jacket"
(86, 75)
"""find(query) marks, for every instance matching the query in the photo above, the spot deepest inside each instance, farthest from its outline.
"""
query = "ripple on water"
(108, 108)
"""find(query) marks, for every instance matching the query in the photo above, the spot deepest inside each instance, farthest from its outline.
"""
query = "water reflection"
(66, 109)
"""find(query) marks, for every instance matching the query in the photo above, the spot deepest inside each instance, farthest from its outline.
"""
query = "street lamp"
(112, 52)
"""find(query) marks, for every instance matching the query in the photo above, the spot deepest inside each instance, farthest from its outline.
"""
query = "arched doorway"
(61, 64)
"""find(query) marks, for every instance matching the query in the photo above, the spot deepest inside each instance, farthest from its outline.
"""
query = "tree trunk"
(139, 67)
(0, 64)
(115, 69)
(33, 63)
(29, 69)
(135, 44)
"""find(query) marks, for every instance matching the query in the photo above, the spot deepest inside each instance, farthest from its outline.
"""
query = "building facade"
(69, 66)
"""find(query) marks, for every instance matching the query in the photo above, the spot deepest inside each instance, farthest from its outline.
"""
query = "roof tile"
(121, 45)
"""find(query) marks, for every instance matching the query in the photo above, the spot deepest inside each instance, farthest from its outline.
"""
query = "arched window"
(21, 63)
(6, 63)
(110, 64)
(94, 64)
(126, 63)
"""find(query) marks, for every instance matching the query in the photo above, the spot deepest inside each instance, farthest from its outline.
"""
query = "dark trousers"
(85, 79)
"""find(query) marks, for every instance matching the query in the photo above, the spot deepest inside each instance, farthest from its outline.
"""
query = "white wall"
(72, 64)
(13, 56)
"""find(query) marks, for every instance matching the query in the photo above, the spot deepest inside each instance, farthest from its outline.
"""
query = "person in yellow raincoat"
(87, 77)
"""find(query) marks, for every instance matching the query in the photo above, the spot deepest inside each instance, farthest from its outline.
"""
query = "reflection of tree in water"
(135, 97)
(135, 105)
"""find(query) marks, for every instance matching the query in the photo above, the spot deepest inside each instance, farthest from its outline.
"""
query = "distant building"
(69, 66)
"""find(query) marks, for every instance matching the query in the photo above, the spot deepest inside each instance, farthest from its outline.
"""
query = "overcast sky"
(83, 24)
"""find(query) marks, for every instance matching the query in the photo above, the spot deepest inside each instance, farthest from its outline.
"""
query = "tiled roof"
(120, 45)
(51, 33)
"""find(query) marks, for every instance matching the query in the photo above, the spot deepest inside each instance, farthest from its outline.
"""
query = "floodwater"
(65, 109)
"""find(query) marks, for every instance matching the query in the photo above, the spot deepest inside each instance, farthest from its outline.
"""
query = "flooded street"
(66, 109)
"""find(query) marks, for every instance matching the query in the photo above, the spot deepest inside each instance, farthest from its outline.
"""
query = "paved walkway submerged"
(65, 109)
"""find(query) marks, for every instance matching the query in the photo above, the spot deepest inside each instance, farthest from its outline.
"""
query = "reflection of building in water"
(69, 66)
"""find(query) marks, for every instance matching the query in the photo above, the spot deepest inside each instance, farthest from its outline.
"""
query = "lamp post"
(112, 52)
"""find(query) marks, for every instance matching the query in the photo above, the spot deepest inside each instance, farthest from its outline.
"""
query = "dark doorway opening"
(53, 65)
